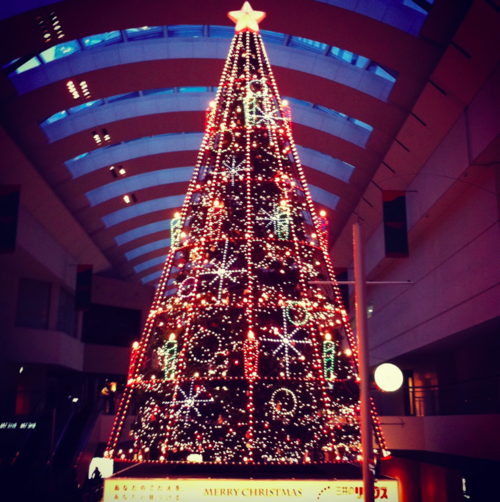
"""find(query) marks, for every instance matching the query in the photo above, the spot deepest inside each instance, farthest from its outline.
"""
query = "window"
(106, 325)
(272, 37)
(32, 63)
(121, 97)
(145, 32)
(112, 37)
(182, 30)
(221, 31)
(33, 301)
(66, 318)
(308, 45)
(60, 51)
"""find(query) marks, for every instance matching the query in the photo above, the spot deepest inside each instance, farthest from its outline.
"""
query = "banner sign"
(236, 490)
(395, 230)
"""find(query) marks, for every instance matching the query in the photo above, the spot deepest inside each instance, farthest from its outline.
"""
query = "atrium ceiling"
(103, 103)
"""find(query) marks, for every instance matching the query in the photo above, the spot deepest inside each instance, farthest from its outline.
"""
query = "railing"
(472, 397)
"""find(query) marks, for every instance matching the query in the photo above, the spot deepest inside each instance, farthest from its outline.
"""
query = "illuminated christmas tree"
(244, 361)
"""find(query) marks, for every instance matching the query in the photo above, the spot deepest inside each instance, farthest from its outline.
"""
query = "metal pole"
(364, 367)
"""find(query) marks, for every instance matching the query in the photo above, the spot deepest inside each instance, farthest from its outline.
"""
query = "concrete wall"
(466, 435)
(453, 220)
(40, 256)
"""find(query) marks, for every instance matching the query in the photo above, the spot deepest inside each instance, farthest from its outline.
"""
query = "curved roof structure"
(103, 103)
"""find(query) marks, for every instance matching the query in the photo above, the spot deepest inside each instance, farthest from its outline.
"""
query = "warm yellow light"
(246, 19)
(135, 345)
(388, 377)
(285, 102)
(322, 213)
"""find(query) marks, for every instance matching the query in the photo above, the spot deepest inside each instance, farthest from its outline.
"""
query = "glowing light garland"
(240, 363)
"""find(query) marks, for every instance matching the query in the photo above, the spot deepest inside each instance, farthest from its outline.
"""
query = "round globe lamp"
(388, 377)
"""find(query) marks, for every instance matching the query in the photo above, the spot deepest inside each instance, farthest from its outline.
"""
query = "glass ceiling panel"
(375, 68)
(415, 6)
(32, 63)
(152, 277)
(136, 233)
(147, 248)
(150, 263)
(145, 32)
(85, 106)
(60, 51)
(57, 116)
(308, 45)
(121, 97)
(193, 89)
(221, 31)
(193, 31)
(187, 30)
(91, 104)
(165, 90)
(272, 37)
(109, 38)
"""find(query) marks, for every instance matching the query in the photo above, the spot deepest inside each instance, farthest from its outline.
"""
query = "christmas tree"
(244, 361)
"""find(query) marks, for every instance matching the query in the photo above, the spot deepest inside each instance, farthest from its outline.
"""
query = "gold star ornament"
(246, 19)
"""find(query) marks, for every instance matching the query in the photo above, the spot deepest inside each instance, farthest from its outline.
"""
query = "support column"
(364, 366)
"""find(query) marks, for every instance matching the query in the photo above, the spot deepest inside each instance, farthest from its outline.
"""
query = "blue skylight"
(136, 233)
(152, 277)
(221, 31)
(147, 248)
(57, 116)
(272, 37)
(120, 97)
(62, 114)
(85, 106)
(31, 63)
(187, 30)
(193, 89)
(165, 90)
(324, 197)
(150, 263)
(194, 31)
(144, 32)
(139, 182)
(60, 51)
(308, 45)
(109, 38)
(141, 208)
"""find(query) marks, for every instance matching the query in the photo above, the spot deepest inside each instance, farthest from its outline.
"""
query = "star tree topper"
(246, 19)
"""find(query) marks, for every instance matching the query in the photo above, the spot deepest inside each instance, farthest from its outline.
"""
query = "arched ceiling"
(352, 74)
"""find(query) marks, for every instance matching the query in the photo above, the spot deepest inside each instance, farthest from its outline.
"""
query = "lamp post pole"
(364, 366)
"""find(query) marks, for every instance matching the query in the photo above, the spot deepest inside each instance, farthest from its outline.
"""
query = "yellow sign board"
(237, 490)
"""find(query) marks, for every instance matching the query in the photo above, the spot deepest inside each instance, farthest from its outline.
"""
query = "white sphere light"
(388, 377)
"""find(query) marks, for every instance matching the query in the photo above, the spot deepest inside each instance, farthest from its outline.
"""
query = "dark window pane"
(105, 325)
(33, 302)
(66, 319)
